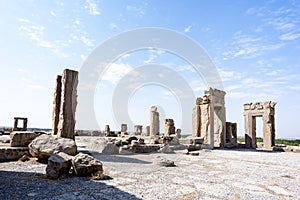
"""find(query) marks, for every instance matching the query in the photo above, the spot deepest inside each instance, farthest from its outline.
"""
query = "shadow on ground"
(26, 185)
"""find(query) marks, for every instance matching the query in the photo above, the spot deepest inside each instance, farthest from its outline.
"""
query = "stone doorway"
(265, 110)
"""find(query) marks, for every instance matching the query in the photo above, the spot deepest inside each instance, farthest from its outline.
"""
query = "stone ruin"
(266, 110)
(169, 127)
(209, 118)
(154, 121)
(64, 104)
(24, 124)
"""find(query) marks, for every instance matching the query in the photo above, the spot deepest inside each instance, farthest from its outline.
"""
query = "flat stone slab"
(12, 153)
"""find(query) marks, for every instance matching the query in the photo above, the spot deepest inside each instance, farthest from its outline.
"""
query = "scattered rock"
(110, 148)
(58, 165)
(164, 162)
(166, 149)
(86, 165)
(24, 158)
(46, 145)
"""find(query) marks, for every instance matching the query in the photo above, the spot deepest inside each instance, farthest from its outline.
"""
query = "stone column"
(169, 127)
(123, 128)
(106, 130)
(56, 105)
(138, 129)
(66, 125)
(154, 121)
(147, 131)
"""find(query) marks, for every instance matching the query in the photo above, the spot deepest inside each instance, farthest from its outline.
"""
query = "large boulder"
(58, 165)
(46, 145)
(86, 165)
(22, 138)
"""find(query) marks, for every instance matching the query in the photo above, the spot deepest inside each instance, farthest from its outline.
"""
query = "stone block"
(22, 138)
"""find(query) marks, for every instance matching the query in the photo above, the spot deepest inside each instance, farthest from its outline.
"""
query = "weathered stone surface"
(46, 145)
(110, 148)
(266, 110)
(68, 103)
(166, 149)
(24, 125)
(138, 129)
(178, 133)
(124, 128)
(169, 127)
(12, 153)
(147, 133)
(154, 121)
(161, 161)
(56, 105)
(58, 165)
(86, 165)
(209, 118)
(21, 138)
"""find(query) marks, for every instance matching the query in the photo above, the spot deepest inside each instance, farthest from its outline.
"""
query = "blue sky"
(255, 46)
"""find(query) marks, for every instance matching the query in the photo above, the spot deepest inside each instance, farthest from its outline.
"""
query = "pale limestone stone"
(169, 127)
(46, 145)
(124, 128)
(86, 165)
(138, 129)
(147, 131)
(67, 104)
(154, 121)
(209, 118)
(22, 138)
(266, 110)
(56, 104)
(58, 165)
(16, 123)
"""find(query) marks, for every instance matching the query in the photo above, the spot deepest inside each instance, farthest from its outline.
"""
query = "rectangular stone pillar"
(196, 121)
(56, 105)
(66, 125)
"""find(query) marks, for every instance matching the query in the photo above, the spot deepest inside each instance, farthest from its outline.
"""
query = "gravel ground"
(217, 174)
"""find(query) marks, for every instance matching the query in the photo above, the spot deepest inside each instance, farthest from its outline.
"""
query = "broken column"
(169, 127)
(123, 128)
(209, 118)
(154, 121)
(65, 102)
(106, 130)
(147, 131)
(231, 135)
(138, 129)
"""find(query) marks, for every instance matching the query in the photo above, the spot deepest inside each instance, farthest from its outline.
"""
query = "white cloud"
(151, 58)
(115, 72)
(83, 57)
(23, 20)
(53, 13)
(289, 36)
(187, 29)
(113, 26)
(139, 11)
(93, 8)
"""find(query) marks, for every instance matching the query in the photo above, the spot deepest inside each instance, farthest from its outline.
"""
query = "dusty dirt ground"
(216, 174)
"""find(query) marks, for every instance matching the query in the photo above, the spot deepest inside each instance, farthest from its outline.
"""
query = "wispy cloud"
(36, 33)
(187, 29)
(139, 11)
(92, 7)
(115, 72)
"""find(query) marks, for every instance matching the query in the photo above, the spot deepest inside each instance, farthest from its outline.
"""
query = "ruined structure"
(24, 125)
(231, 133)
(209, 118)
(266, 110)
(106, 130)
(154, 121)
(169, 127)
(147, 133)
(138, 129)
(123, 128)
(65, 102)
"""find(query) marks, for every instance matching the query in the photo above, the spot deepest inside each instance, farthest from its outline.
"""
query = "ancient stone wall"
(209, 118)
(169, 127)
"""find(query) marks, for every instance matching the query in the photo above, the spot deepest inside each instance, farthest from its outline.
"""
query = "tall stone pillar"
(68, 103)
(56, 104)
(154, 121)
(169, 127)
